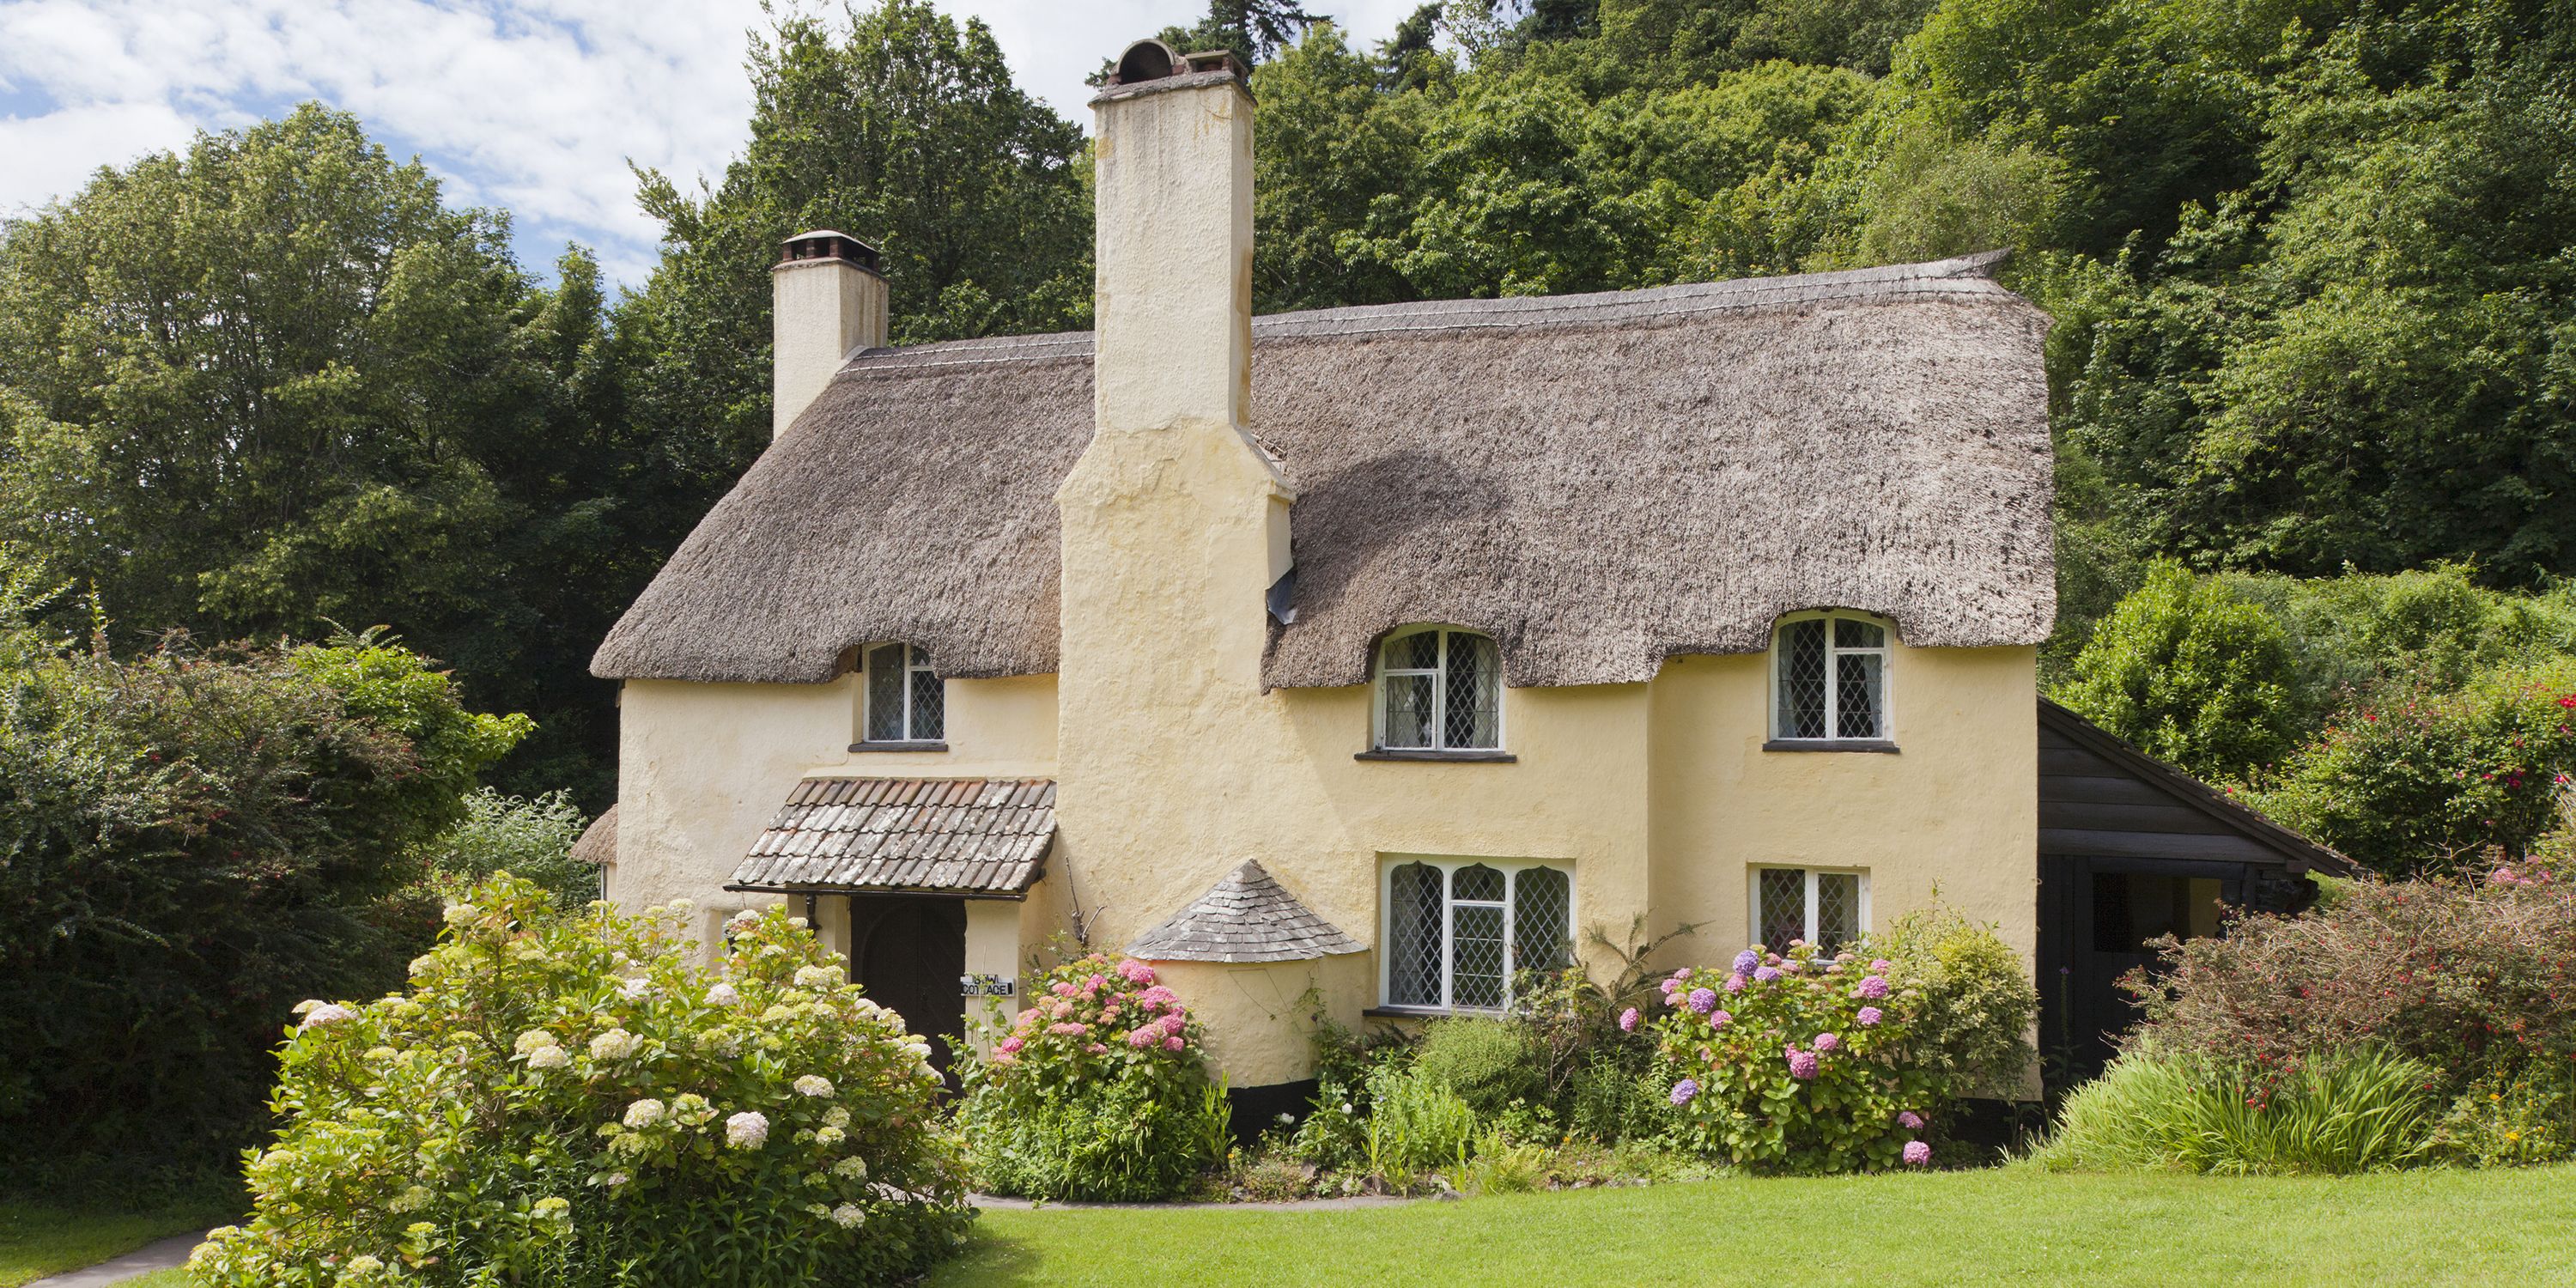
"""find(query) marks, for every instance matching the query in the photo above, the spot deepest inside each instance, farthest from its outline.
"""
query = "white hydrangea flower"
(326, 1013)
(684, 907)
(741, 921)
(848, 1216)
(723, 995)
(308, 1006)
(547, 1057)
(644, 1113)
(853, 1168)
(362, 1264)
(816, 976)
(551, 1208)
(836, 1116)
(458, 914)
(829, 1135)
(379, 1055)
(531, 1040)
(747, 1130)
(615, 1179)
(813, 1084)
(631, 989)
(797, 922)
(410, 1200)
(615, 1044)
(690, 1109)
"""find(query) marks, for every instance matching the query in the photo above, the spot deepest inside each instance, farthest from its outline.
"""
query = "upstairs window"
(1459, 932)
(1439, 690)
(1830, 679)
(905, 700)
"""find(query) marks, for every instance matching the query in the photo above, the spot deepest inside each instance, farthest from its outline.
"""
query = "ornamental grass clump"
(1817, 1062)
(2359, 1110)
(1097, 1091)
(574, 1099)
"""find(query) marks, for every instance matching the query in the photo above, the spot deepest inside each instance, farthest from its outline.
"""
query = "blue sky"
(532, 105)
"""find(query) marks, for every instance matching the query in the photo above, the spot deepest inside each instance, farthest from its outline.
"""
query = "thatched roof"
(1247, 917)
(598, 842)
(1599, 480)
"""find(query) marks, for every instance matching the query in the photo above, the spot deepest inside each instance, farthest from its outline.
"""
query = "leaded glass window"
(1828, 909)
(1440, 690)
(1459, 934)
(906, 700)
(1831, 678)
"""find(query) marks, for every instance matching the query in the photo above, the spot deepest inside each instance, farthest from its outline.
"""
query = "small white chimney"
(1172, 255)
(828, 300)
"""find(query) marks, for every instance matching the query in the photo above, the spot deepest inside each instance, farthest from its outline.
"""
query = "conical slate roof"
(1248, 917)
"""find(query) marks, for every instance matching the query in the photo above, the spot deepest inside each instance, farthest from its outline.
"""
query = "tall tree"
(273, 383)
(897, 125)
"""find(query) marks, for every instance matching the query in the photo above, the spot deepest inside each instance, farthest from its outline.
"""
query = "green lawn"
(37, 1240)
(2000, 1226)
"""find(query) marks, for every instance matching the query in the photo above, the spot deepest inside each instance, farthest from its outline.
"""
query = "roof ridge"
(1959, 275)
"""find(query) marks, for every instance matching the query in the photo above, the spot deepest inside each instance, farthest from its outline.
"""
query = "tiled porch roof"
(972, 836)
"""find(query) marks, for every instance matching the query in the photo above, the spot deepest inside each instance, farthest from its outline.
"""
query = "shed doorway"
(908, 952)
(2097, 916)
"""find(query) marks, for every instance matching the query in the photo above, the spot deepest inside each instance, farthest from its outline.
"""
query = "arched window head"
(1439, 689)
(905, 700)
(1829, 678)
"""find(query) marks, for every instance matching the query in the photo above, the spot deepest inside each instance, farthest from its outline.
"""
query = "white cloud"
(531, 105)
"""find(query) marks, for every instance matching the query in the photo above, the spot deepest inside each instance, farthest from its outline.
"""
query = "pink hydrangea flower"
(1720, 1020)
(1873, 987)
(1061, 1010)
(1010, 1045)
(1910, 1120)
(1144, 1037)
(1869, 1016)
(1157, 997)
(1628, 1020)
(1061, 988)
(1095, 983)
(1789, 968)
(1803, 1064)
(1670, 987)
(1136, 972)
(1917, 1153)
(1173, 1043)
(1880, 966)
(1735, 983)
(1068, 1028)
(1766, 974)
(1827, 1041)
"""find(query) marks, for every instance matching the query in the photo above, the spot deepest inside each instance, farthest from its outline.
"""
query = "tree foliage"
(194, 839)
(2190, 673)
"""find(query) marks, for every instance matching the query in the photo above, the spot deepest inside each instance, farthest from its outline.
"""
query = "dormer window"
(1439, 690)
(1829, 684)
(905, 701)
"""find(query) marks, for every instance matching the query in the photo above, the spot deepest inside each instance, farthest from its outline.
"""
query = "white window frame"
(1439, 691)
(913, 663)
(1449, 868)
(1753, 897)
(1886, 652)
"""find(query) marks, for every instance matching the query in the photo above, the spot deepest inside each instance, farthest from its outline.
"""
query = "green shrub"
(1608, 1101)
(1416, 1124)
(576, 1100)
(1489, 1062)
(2523, 1114)
(1972, 1015)
(1502, 1165)
(2350, 1111)
(527, 838)
(1796, 1063)
(1334, 1134)
(2192, 673)
(1096, 1092)
(2422, 781)
(194, 841)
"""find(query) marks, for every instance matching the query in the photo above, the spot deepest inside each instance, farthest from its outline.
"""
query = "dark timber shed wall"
(2099, 796)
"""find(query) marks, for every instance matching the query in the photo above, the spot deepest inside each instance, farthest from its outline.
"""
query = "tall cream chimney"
(828, 300)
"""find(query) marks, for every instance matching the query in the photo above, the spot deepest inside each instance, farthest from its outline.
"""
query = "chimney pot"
(828, 301)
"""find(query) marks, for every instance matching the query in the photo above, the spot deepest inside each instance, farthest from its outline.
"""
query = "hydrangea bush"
(1802, 1063)
(576, 1099)
(1096, 1091)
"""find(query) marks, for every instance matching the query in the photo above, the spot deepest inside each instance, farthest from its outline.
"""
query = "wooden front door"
(908, 952)
(2097, 916)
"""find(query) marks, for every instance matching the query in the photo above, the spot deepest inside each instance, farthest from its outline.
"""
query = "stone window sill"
(1456, 757)
(916, 744)
(1831, 744)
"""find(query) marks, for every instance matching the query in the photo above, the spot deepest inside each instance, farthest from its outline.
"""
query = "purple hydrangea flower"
(1745, 961)
(1869, 1016)
(1827, 1041)
(1720, 1020)
(1803, 1064)
(1684, 1090)
(1917, 1153)
(1766, 974)
(1669, 985)
(1703, 1000)
(1910, 1120)
(1628, 1020)
(1735, 983)
(1873, 987)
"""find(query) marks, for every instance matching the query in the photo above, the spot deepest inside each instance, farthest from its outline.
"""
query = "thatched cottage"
(1384, 651)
